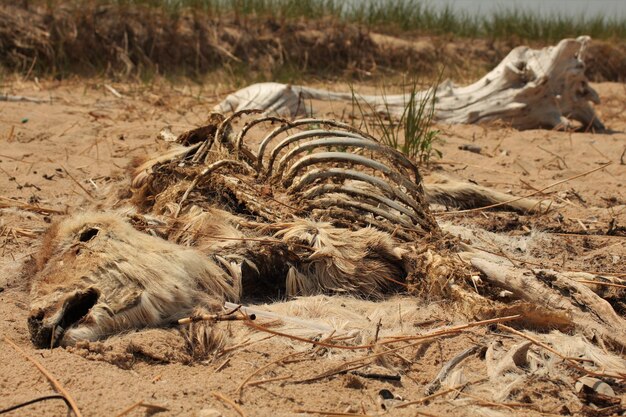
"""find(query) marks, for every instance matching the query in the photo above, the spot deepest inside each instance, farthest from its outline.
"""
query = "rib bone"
(301, 122)
(353, 159)
(388, 153)
(351, 204)
(352, 191)
(306, 135)
(342, 173)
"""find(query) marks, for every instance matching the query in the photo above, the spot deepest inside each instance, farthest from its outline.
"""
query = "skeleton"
(327, 209)
(529, 89)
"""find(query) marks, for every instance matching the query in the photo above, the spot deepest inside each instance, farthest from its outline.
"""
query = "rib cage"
(314, 168)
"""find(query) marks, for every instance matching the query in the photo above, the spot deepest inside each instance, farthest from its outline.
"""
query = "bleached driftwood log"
(544, 88)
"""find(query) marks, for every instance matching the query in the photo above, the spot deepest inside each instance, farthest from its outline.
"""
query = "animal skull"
(92, 281)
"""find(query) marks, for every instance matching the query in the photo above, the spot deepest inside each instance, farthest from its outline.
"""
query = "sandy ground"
(64, 154)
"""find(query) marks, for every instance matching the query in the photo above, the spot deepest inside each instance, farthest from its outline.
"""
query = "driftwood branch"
(530, 88)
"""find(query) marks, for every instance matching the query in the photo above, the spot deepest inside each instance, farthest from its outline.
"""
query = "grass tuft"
(411, 133)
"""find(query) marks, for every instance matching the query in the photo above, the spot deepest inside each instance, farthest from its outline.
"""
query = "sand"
(63, 154)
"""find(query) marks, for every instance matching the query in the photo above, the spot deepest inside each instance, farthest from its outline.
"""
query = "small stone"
(470, 148)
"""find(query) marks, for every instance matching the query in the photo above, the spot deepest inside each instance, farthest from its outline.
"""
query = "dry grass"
(278, 40)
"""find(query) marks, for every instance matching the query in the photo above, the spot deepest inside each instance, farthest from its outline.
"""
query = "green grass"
(411, 133)
(412, 16)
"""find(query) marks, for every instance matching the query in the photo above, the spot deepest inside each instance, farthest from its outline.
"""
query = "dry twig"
(6, 202)
(608, 284)
(331, 413)
(393, 339)
(228, 316)
(151, 408)
(261, 369)
(55, 383)
(421, 338)
(263, 381)
(78, 183)
(230, 402)
(10, 98)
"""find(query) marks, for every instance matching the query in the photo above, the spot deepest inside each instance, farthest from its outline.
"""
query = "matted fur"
(361, 262)
(139, 280)
(239, 229)
(215, 253)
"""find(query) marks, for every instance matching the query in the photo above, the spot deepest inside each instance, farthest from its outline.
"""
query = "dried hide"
(312, 207)
(97, 275)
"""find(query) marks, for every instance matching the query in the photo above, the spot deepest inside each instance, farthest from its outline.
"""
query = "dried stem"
(608, 284)
(394, 339)
(55, 383)
(330, 413)
(78, 183)
(263, 381)
(228, 316)
(421, 340)
(263, 368)
(10, 203)
(230, 402)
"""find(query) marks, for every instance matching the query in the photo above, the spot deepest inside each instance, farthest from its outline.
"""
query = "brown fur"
(97, 274)
(138, 280)
(361, 262)
(124, 279)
